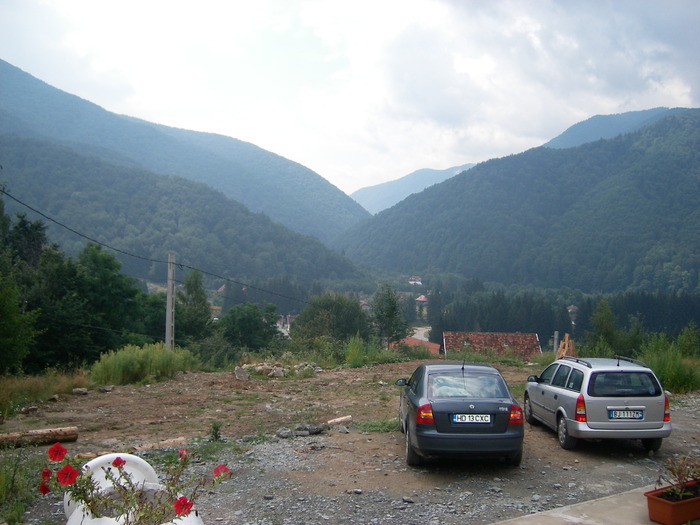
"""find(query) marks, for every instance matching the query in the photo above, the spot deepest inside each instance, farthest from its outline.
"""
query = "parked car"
(459, 410)
(598, 398)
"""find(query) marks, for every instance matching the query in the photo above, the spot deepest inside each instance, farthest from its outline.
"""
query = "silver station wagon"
(596, 398)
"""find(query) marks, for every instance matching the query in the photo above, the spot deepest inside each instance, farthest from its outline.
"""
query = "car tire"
(515, 459)
(402, 425)
(652, 444)
(565, 440)
(412, 457)
(527, 409)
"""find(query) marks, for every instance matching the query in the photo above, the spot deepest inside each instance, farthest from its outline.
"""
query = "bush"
(133, 364)
(677, 373)
(354, 352)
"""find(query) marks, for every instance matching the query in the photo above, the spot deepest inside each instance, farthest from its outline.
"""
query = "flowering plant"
(116, 491)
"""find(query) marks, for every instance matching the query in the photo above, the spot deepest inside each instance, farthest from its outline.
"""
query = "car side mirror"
(533, 379)
(402, 382)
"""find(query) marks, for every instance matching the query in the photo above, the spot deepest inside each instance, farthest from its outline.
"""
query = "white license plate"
(625, 414)
(471, 418)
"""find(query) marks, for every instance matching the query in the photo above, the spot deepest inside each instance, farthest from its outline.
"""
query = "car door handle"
(555, 396)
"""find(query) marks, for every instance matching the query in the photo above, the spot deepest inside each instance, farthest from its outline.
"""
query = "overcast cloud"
(365, 91)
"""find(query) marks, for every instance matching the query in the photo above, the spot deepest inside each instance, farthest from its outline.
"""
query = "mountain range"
(286, 191)
(613, 214)
(609, 205)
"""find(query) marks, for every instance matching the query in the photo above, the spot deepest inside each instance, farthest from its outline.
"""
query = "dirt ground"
(188, 406)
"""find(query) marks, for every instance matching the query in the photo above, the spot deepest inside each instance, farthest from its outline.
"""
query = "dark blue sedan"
(459, 410)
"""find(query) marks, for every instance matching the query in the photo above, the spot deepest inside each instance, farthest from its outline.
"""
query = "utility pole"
(170, 305)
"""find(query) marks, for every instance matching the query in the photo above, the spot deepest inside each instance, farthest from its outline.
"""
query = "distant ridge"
(381, 196)
(609, 126)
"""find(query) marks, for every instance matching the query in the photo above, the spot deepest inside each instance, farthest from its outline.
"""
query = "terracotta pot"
(668, 512)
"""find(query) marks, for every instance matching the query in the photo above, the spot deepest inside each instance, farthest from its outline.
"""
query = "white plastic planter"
(141, 473)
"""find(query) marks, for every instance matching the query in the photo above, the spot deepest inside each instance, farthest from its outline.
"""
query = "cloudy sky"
(366, 91)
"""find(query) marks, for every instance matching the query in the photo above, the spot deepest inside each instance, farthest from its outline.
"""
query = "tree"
(193, 311)
(388, 316)
(333, 315)
(17, 331)
(249, 326)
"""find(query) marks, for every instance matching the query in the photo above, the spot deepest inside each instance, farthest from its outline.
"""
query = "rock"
(54, 398)
(312, 429)
(241, 374)
(106, 388)
(80, 391)
(277, 372)
(285, 433)
(406, 499)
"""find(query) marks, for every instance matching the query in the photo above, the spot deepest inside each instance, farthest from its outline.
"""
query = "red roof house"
(522, 345)
(433, 348)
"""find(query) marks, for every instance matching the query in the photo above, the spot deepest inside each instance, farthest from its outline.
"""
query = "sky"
(367, 91)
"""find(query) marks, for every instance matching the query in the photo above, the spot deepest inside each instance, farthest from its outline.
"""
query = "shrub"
(18, 470)
(677, 373)
(354, 352)
(133, 364)
(18, 391)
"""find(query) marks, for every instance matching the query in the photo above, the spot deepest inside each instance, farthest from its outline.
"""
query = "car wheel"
(402, 425)
(652, 444)
(412, 458)
(565, 440)
(515, 459)
(528, 411)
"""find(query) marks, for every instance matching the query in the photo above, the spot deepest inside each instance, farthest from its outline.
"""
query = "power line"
(143, 258)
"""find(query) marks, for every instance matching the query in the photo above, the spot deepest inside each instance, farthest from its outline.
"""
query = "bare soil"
(334, 469)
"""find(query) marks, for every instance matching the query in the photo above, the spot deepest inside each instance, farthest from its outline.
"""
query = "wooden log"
(39, 437)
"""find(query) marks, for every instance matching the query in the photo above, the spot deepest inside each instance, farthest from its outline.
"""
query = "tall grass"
(133, 364)
(19, 470)
(677, 372)
(17, 391)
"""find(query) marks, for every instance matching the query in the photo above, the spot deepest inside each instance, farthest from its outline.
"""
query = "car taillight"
(516, 415)
(580, 409)
(424, 415)
(667, 409)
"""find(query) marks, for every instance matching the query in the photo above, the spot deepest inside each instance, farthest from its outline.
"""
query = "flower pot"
(662, 510)
(139, 470)
(81, 516)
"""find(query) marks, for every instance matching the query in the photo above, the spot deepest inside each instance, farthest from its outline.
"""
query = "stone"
(80, 391)
(241, 374)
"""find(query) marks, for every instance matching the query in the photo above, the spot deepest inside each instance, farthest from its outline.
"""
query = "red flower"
(46, 475)
(67, 475)
(183, 452)
(57, 452)
(221, 470)
(118, 462)
(44, 488)
(182, 506)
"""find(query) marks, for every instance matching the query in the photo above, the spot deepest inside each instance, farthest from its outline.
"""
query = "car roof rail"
(578, 360)
(630, 360)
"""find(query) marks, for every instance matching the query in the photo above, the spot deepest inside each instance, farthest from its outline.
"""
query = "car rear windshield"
(622, 384)
(468, 385)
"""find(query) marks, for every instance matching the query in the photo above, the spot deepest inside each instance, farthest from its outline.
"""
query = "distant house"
(414, 279)
(421, 299)
(522, 345)
(433, 348)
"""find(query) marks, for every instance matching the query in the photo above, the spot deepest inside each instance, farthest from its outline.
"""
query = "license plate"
(471, 418)
(625, 414)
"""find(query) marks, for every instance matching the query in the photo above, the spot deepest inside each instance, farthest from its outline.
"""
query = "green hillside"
(609, 215)
(151, 215)
(284, 190)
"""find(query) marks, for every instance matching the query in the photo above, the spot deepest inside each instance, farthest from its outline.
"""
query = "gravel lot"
(344, 475)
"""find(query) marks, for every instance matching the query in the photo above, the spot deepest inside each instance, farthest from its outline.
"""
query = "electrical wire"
(143, 258)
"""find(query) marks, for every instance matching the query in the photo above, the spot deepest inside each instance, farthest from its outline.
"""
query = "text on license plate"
(625, 414)
(471, 418)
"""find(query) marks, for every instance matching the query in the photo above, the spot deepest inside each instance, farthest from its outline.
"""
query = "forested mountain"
(286, 191)
(609, 126)
(151, 215)
(608, 215)
(382, 196)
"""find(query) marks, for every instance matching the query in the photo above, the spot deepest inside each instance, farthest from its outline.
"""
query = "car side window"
(561, 376)
(575, 380)
(546, 376)
(415, 379)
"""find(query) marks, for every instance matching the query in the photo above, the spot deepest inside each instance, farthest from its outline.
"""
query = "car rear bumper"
(432, 443)
(583, 431)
